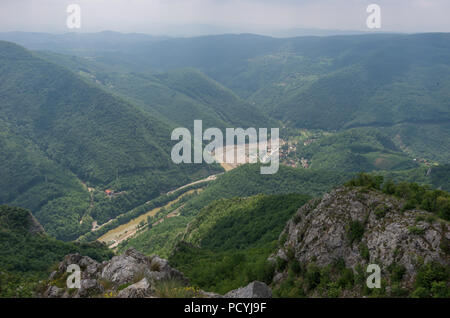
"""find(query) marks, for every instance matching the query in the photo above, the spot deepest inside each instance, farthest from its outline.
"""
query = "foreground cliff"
(327, 246)
(132, 275)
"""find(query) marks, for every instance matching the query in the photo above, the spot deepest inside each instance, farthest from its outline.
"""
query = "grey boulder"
(253, 290)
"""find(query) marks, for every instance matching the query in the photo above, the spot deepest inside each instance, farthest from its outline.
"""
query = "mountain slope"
(89, 134)
(178, 96)
(226, 245)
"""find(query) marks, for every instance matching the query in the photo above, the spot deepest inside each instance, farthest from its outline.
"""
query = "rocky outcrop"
(34, 226)
(363, 227)
(53, 292)
(162, 271)
(139, 290)
(126, 268)
(253, 290)
(130, 275)
(89, 278)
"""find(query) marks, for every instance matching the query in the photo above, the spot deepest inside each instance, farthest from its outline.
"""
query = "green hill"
(357, 149)
(246, 181)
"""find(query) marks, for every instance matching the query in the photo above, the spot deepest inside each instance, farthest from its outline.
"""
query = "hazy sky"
(215, 16)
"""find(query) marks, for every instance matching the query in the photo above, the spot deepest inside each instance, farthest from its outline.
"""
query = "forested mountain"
(58, 131)
(329, 83)
(178, 96)
(393, 82)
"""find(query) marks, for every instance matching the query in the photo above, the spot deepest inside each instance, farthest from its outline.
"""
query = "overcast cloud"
(215, 16)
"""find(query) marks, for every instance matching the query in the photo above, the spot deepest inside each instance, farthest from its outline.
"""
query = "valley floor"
(125, 231)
